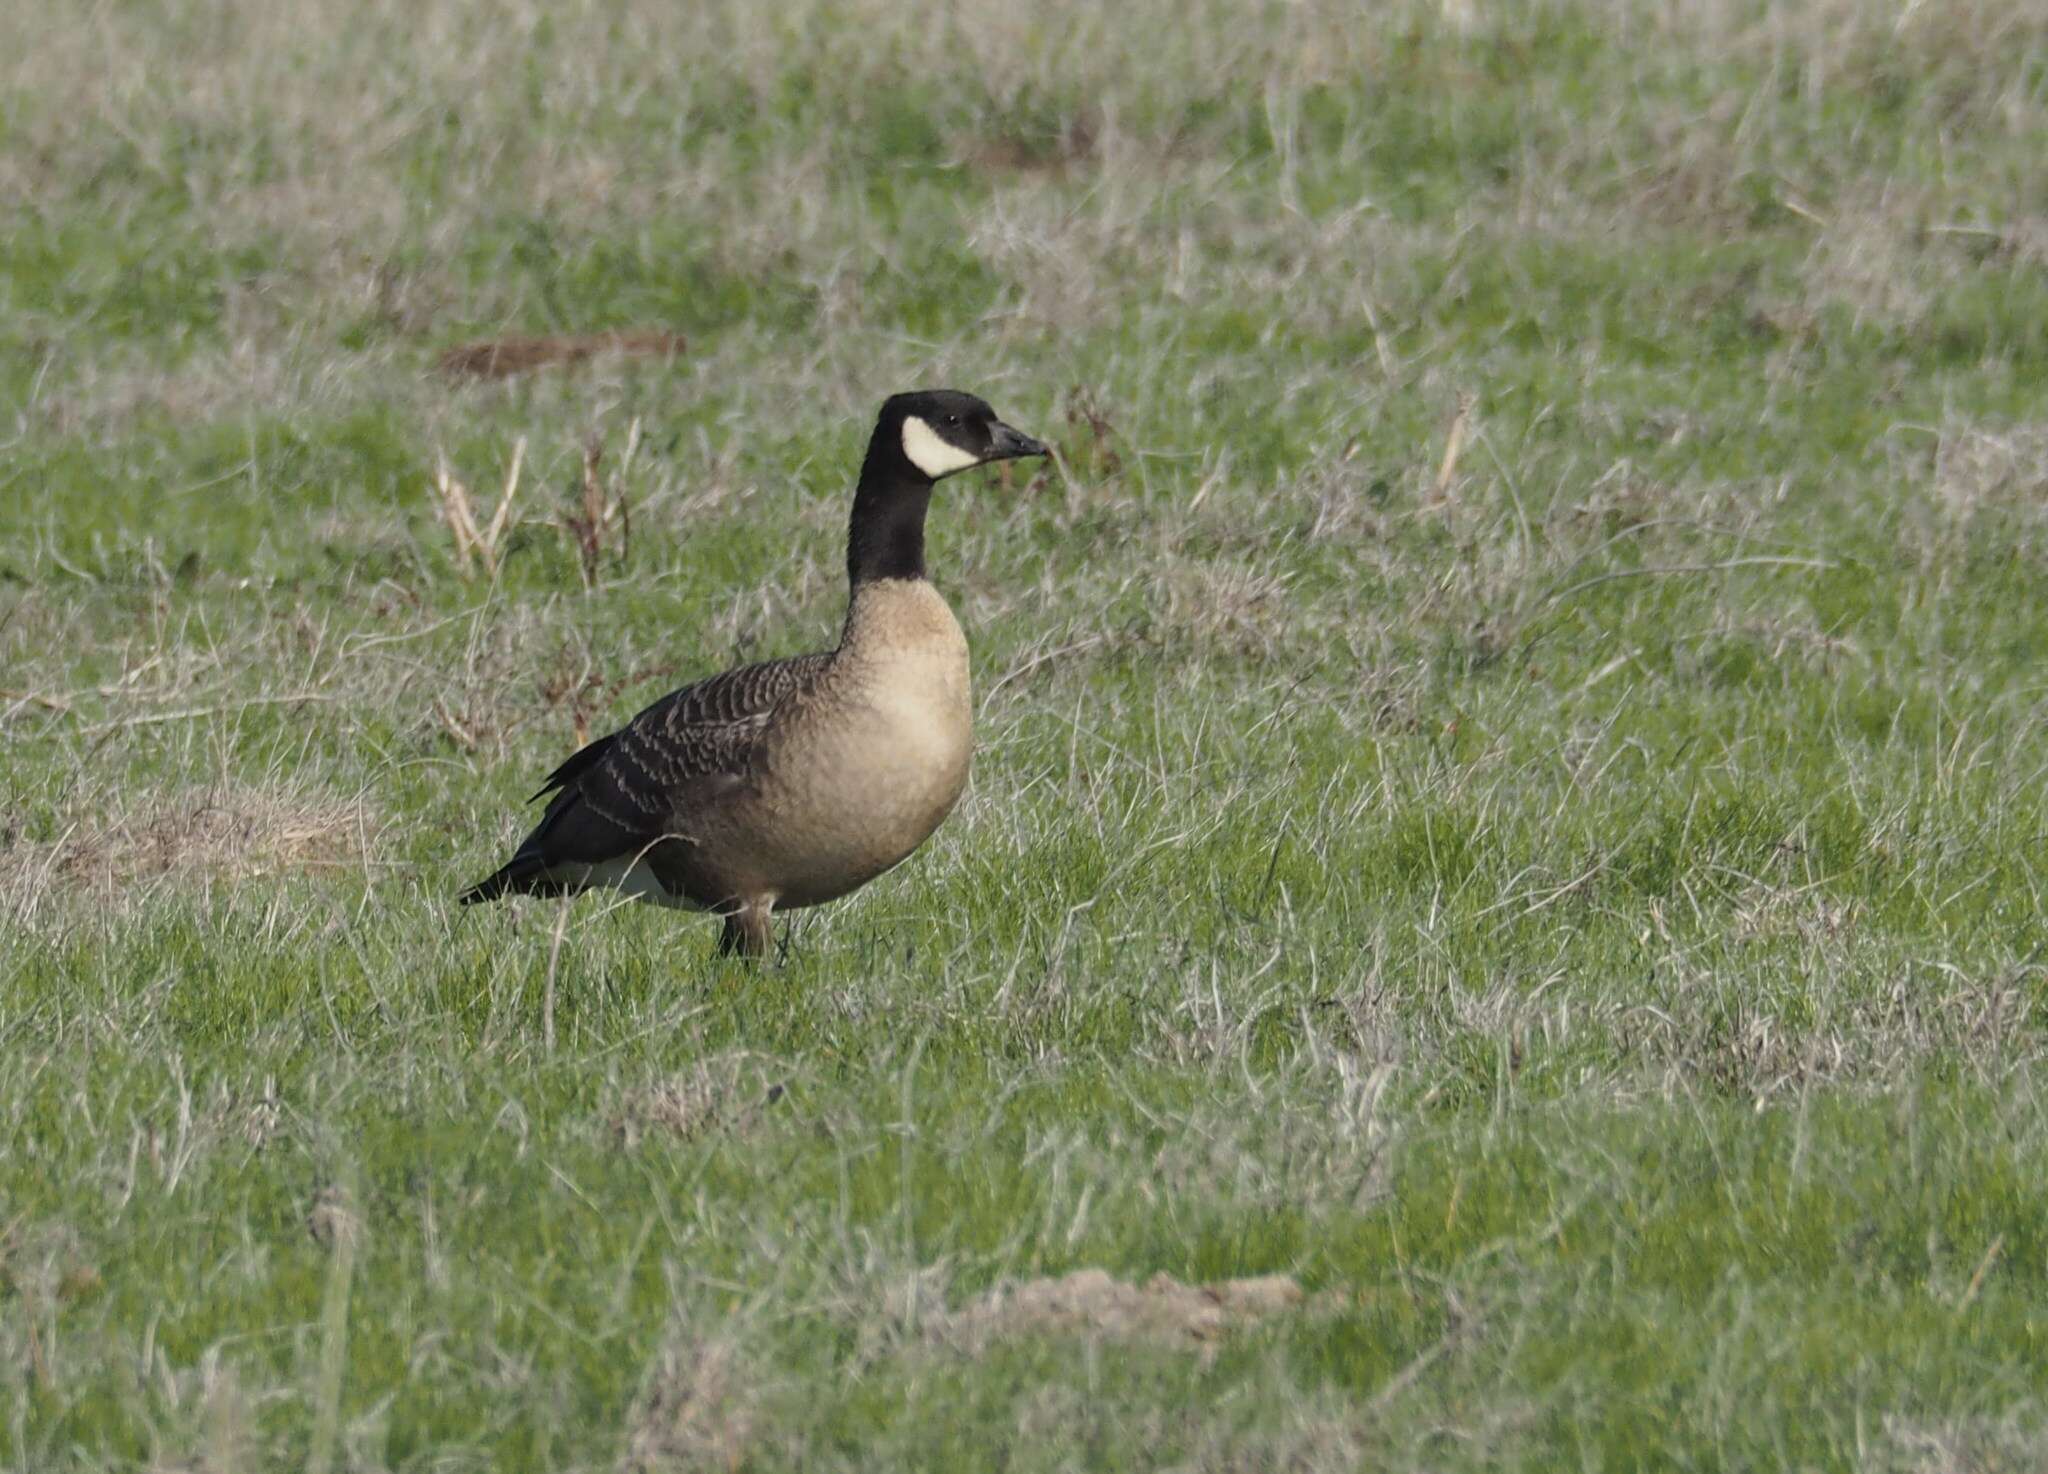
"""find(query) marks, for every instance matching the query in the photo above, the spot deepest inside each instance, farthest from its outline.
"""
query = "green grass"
(1584, 924)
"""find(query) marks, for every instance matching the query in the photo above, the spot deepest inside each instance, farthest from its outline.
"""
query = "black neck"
(886, 536)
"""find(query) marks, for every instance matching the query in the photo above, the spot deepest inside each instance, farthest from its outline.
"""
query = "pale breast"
(860, 777)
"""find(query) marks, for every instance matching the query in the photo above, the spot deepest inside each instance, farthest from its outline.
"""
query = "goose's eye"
(952, 419)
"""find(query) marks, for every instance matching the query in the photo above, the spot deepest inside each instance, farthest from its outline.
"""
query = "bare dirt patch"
(1075, 143)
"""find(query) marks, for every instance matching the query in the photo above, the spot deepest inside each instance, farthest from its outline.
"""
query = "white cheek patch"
(932, 455)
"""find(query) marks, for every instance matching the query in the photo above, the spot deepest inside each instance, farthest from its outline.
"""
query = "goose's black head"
(920, 439)
(932, 433)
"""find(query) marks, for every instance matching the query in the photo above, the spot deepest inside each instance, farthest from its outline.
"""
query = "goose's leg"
(746, 931)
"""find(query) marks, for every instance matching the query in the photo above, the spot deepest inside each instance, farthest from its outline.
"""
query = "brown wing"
(624, 793)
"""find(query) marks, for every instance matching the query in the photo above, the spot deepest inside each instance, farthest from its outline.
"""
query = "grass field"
(1574, 904)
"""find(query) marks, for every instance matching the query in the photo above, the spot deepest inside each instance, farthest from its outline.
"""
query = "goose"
(791, 782)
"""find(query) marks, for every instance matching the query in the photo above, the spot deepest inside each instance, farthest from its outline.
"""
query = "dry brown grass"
(2007, 1445)
(1873, 257)
(726, 1092)
(1094, 1303)
(226, 835)
(1226, 607)
(1977, 469)
(700, 1409)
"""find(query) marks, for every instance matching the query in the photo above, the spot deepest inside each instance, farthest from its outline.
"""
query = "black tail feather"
(521, 876)
(485, 890)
